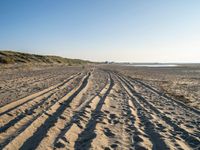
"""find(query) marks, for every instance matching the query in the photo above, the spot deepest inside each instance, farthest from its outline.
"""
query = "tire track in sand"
(135, 128)
(186, 119)
(182, 132)
(13, 105)
(18, 122)
(149, 127)
(116, 128)
(69, 134)
(13, 111)
(147, 107)
(64, 119)
(188, 108)
(87, 133)
(45, 120)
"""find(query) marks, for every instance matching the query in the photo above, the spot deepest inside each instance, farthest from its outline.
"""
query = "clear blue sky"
(115, 30)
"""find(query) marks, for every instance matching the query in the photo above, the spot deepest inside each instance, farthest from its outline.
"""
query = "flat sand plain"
(99, 107)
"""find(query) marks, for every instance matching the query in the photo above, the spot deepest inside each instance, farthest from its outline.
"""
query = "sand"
(97, 107)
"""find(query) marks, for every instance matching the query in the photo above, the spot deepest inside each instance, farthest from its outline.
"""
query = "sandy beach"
(98, 107)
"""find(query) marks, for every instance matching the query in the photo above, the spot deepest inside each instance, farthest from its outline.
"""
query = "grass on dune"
(12, 57)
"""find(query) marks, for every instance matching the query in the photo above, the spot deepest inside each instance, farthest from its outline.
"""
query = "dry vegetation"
(11, 57)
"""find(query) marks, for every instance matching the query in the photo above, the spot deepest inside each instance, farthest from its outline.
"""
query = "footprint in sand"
(59, 145)
(114, 146)
(137, 139)
(113, 119)
(140, 147)
(108, 132)
(107, 112)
